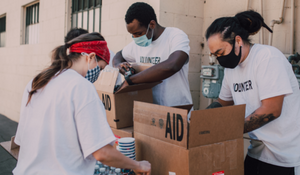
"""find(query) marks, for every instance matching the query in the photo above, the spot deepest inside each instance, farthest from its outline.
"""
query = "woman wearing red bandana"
(63, 127)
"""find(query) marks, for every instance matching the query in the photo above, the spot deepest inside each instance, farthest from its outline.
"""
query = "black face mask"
(230, 60)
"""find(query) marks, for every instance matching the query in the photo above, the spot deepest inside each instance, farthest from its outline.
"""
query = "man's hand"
(144, 168)
(124, 66)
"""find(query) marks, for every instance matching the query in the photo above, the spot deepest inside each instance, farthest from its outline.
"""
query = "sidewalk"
(8, 129)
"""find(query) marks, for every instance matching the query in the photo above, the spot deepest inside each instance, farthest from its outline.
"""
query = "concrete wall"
(187, 15)
(19, 63)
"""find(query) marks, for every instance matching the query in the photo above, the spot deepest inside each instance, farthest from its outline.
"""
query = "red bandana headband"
(98, 47)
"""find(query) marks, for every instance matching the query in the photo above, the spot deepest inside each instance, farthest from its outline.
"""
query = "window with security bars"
(32, 24)
(86, 14)
(2, 30)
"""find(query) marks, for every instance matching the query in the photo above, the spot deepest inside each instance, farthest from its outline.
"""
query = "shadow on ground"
(8, 129)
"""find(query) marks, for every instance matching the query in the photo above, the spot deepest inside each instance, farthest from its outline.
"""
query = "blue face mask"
(143, 41)
(92, 74)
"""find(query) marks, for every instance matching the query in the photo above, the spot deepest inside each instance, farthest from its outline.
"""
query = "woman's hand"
(144, 168)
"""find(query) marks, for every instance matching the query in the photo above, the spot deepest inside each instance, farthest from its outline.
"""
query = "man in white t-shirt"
(166, 48)
(260, 77)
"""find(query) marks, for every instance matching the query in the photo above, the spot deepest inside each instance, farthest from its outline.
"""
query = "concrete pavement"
(8, 129)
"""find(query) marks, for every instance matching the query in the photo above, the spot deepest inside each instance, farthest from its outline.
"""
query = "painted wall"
(19, 63)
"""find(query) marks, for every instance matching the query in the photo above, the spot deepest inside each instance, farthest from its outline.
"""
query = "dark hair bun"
(251, 21)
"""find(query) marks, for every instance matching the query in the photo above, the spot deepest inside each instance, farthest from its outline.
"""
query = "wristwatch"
(127, 78)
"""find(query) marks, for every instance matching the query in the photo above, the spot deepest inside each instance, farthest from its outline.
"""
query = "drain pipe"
(273, 22)
(292, 26)
(261, 33)
(247, 5)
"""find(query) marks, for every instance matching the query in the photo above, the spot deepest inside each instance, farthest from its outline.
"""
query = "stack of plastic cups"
(127, 147)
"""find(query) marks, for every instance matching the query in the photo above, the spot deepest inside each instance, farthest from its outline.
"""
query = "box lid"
(139, 67)
(187, 107)
(124, 132)
(216, 125)
(137, 87)
(107, 80)
(168, 124)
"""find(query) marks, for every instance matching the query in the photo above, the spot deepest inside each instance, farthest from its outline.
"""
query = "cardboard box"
(119, 105)
(120, 133)
(210, 144)
(12, 148)
(139, 67)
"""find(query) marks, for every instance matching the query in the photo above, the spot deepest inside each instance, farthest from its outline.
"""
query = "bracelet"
(127, 78)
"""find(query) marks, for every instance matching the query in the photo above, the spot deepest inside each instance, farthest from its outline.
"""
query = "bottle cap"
(118, 170)
(102, 170)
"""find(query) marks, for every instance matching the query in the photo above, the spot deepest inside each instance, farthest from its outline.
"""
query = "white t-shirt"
(61, 127)
(174, 90)
(264, 74)
(112, 55)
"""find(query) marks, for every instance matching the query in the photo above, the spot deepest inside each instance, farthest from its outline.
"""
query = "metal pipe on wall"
(247, 5)
(273, 22)
(292, 26)
(261, 33)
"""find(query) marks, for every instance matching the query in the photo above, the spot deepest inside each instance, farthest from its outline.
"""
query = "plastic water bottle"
(103, 171)
(106, 169)
(100, 164)
(112, 171)
(118, 171)
(96, 172)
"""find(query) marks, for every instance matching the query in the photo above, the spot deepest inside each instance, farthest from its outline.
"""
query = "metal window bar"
(85, 5)
(94, 4)
(88, 14)
(34, 14)
(32, 17)
(100, 10)
(3, 24)
(76, 9)
(38, 11)
(82, 10)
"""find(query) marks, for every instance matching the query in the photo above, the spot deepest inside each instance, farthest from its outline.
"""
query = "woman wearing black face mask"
(260, 77)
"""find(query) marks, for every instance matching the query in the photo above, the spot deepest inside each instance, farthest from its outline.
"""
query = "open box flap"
(139, 67)
(138, 87)
(107, 80)
(158, 122)
(187, 107)
(13, 144)
(216, 125)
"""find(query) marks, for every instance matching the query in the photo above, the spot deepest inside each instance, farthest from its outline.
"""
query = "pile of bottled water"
(101, 169)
